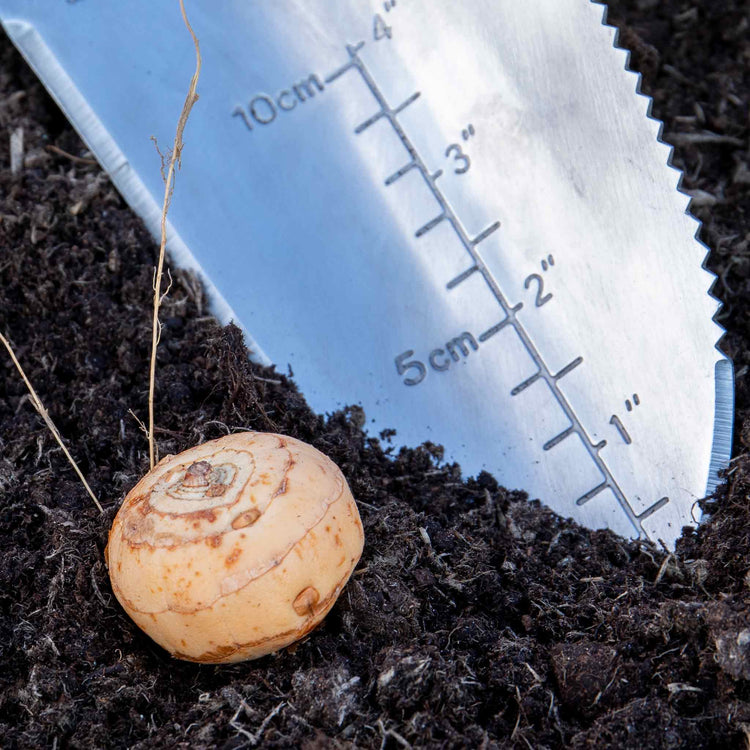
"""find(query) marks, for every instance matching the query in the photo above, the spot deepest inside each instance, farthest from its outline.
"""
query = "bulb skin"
(235, 548)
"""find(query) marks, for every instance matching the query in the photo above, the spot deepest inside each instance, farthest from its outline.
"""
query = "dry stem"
(48, 420)
(174, 163)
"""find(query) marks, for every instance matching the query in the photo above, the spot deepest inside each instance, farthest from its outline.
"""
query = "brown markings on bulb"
(306, 602)
(165, 539)
(216, 490)
(248, 518)
(217, 656)
(196, 474)
(233, 556)
(215, 541)
(212, 657)
(220, 654)
(281, 489)
(139, 503)
(138, 528)
(207, 514)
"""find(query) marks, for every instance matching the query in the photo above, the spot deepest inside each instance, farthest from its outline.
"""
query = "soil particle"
(583, 672)
(475, 618)
(729, 629)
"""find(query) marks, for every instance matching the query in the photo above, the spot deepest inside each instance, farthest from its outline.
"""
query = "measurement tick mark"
(453, 283)
(592, 493)
(401, 107)
(550, 444)
(486, 233)
(526, 383)
(338, 72)
(429, 225)
(352, 49)
(400, 173)
(385, 113)
(510, 320)
(490, 332)
(570, 366)
(660, 503)
(369, 121)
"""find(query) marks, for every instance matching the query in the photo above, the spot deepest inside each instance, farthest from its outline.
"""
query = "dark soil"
(475, 618)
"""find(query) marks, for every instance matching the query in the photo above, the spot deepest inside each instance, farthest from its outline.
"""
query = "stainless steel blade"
(458, 215)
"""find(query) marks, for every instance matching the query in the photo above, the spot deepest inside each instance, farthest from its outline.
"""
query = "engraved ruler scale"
(458, 215)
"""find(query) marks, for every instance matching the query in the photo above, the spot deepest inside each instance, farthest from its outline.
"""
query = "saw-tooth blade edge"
(721, 449)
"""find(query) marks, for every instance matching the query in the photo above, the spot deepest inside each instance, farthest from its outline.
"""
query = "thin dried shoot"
(174, 159)
(48, 420)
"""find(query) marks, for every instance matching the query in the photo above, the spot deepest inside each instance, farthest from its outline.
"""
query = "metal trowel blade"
(459, 216)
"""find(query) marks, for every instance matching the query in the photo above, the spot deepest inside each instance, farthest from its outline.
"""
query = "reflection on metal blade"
(461, 218)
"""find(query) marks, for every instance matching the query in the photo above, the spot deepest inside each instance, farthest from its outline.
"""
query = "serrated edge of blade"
(84, 120)
(723, 428)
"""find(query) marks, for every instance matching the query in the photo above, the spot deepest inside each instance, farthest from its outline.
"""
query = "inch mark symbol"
(467, 132)
(636, 401)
